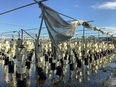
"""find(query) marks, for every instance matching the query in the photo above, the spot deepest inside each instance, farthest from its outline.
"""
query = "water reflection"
(13, 80)
(6, 75)
(73, 77)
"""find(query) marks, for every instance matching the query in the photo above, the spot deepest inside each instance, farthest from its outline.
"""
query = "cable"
(4, 29)
(30, 5)
(57, 12)
(29, 34)
(18, 8)
(16, 25)
(22, 6)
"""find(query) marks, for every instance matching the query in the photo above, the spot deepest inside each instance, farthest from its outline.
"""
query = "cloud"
(106, 5)
(110, 28)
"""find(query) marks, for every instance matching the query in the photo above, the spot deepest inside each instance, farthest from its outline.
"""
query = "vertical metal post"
(107, 41)
(84, 50)
(18, 34)
(40, 30)
(83, 55)
(12, 36)
(35, 35)
(36, 48)
(98, 36)
(98, 41)
(21, 34)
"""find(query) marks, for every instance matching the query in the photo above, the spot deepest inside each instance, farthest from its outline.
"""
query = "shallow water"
(7, 79)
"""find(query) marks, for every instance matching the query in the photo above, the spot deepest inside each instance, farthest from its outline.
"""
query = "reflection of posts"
(12, 81)
(6, 78)
(28, 82)
(21, 69)
(41, 64)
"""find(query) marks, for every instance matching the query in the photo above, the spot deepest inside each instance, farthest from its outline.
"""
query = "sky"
(103, 12)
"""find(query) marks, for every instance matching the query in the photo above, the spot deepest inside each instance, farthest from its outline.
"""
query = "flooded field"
(9, 79)
(57, 54)
(101, 79)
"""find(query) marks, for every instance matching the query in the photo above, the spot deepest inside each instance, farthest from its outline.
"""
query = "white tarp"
(59, 29)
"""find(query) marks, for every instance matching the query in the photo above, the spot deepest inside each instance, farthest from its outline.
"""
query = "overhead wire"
(33, 4)
(18, 8)
(22, 6)
(19, 25)
(30, 5)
